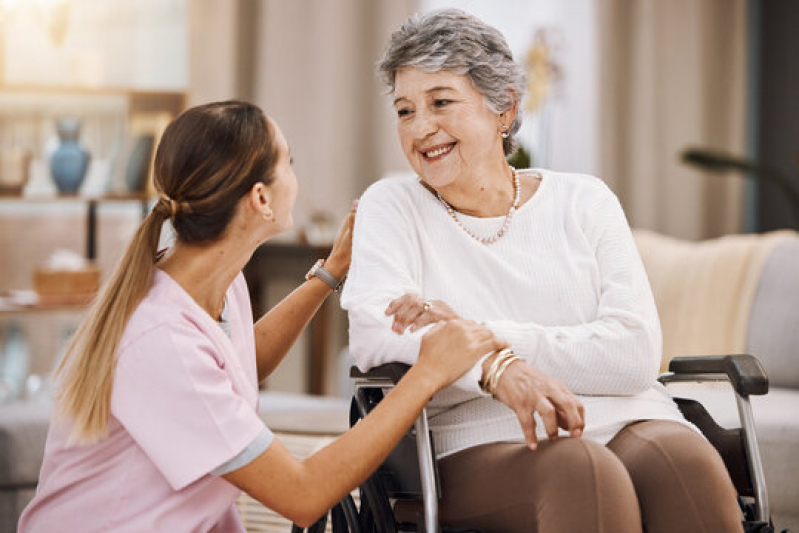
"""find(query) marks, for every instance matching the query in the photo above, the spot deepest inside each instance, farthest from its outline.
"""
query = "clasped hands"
(522, 387)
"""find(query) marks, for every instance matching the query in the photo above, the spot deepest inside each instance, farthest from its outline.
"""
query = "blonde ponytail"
(86, 374)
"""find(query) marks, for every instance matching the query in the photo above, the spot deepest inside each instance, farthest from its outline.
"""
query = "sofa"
(737, 294)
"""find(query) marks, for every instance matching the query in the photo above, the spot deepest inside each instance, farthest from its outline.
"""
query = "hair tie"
(169, 203)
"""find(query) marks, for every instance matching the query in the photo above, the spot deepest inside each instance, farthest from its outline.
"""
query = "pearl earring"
(505, 134)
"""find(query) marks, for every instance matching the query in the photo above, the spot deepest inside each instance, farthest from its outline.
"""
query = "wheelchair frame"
(744, 372)
(747, 377)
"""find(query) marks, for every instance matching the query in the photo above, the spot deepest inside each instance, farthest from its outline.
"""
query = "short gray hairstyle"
(450, 39)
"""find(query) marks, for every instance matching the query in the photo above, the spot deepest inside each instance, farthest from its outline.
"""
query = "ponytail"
(86, 373)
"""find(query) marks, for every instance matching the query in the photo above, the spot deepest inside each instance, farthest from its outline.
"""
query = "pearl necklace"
(517, 190)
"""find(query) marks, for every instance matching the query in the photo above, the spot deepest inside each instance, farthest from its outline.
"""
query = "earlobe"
(266, 209)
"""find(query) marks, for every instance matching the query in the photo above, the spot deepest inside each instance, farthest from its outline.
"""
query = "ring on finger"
(426, 306)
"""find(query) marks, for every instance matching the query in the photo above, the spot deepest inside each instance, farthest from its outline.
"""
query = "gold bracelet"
(501, 356)
(505, 364)
(491, 369)
(492, 383)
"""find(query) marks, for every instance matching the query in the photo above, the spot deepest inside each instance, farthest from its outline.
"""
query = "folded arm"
(386, 265)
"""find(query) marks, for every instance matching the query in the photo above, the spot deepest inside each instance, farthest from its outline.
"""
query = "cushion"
(773, 332)
(704, 290)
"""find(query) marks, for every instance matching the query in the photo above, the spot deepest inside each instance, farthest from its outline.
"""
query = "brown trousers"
(654, 476)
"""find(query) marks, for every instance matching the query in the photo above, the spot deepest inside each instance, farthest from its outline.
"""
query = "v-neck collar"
(196, 308)
(211, 326)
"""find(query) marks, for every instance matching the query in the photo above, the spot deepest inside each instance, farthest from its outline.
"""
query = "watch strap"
(322, 273)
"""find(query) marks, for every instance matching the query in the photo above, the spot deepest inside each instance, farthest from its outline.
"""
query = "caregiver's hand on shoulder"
(338, 262)
(527, 390)
(411, 310)
(452, 347)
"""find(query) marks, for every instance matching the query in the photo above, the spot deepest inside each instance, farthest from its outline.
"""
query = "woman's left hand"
(411, 310)
(527, 390)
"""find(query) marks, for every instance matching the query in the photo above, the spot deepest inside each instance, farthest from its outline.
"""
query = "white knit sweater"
(565, 286)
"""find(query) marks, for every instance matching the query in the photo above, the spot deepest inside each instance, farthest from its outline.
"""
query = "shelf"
(139, 101)
(84, 90)
(27, 301)
(108, 197)
(91, 210)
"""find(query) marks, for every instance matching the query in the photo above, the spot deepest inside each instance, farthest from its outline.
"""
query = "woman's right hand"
(452, 347)
(527, 390)
(338, 262)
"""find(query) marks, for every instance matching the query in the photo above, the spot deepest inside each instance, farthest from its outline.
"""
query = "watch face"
(311, 273)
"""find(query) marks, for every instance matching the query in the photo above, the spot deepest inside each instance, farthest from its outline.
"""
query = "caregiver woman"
(156, 426)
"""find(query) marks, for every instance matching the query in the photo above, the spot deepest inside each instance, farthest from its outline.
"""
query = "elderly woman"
(546, 260)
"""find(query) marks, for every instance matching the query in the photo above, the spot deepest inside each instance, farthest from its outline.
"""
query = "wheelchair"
(410, 471)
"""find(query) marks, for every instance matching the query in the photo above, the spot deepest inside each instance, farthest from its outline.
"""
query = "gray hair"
(452, 40)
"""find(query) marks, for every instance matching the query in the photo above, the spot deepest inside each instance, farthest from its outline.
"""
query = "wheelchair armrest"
(744, 371)
(390, 371)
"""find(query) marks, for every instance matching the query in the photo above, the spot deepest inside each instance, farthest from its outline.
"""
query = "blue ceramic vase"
(69, 162)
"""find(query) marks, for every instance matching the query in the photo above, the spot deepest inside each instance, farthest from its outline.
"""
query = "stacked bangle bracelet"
(501, 362)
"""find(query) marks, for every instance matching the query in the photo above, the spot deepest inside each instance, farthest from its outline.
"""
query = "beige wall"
(311, 65)
(315, 75)
(212, 50)
(673, 75)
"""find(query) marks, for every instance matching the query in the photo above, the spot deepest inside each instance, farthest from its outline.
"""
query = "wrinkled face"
(283, 189)
(445, 127)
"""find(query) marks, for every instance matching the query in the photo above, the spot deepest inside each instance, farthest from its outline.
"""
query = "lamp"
(718, 161)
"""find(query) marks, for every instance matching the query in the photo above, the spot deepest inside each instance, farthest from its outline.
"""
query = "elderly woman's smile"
(446, 130)
(437, 152)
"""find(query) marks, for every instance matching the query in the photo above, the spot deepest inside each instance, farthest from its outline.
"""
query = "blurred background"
(686, 108)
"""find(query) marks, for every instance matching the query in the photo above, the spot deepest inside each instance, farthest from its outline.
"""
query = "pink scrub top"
(184, 402)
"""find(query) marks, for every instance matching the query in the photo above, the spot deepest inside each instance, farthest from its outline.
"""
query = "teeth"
(438, 152)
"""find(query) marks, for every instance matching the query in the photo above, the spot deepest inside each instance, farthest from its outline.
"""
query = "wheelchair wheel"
(345, 516)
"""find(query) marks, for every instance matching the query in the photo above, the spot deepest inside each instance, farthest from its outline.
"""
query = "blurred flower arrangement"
(544, 77)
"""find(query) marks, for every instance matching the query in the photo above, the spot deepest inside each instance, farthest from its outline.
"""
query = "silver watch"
(319, 271)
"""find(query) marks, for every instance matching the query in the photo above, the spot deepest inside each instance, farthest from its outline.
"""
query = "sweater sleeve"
(618, 352)
(386, 263)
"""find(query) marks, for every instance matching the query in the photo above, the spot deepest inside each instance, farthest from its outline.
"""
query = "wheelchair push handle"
(389, 371)
(744, 371)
